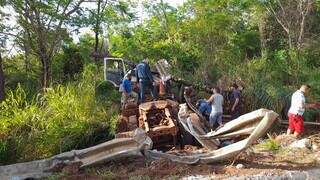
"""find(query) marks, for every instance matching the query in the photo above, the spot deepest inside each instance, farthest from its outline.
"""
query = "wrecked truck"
(143, 128)
(159, 118)
(250, 127)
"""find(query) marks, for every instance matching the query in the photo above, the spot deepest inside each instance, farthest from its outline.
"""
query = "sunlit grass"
(64, 118)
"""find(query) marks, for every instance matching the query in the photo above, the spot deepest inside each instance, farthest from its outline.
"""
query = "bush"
(269, 145)
(106, 93)
(64, 118)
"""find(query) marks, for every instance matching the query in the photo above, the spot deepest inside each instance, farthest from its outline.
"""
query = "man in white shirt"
(297, 108)
(216, 101)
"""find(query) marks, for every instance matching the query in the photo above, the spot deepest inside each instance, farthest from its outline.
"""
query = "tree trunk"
(97, 29)
(263, 41)
(96, 44)
(304, 13)
(166, 24)
(46, 72)
(2, 78)
(290, 43)
(26, 56)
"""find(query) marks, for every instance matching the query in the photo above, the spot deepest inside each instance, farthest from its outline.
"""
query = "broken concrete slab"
(302, 143)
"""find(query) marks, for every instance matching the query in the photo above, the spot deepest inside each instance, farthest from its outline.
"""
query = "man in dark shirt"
(145, 79)
(235, 102)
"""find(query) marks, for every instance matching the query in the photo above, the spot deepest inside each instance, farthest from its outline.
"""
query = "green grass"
(66, 117)
(55, 176)
(101, 172)
(140, 177)
(297, 156)
(269, 145)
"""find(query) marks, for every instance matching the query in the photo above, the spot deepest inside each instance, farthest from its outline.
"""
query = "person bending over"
(297, 108)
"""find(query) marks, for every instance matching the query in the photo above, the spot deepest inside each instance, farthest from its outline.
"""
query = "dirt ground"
(140, 168)
(254, 162)
(271, 156)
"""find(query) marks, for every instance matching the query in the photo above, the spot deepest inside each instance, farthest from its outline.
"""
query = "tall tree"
(97, 24)
(2, 90)
(44, 23)
(106, 14)
(2, 42)
(292, 16)
(162, 11)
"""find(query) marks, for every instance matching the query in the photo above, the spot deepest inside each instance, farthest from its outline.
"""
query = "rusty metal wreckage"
(252, 125)
(144, 128)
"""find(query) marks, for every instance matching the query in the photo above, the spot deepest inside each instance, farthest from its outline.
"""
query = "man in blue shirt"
(145, 79)
(204, 107)
(127, 92)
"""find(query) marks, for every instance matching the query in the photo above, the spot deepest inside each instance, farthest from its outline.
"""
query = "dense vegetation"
(55, 98)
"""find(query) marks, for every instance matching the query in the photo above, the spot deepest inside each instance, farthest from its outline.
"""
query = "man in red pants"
(297, 108)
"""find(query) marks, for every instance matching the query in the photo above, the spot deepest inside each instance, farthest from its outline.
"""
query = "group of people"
(145, 81)
(213, 107)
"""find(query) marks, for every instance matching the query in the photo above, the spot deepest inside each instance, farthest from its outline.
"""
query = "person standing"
(235, 101)
(145, 79)
(127, 91)
(297, 108)
(216, 101)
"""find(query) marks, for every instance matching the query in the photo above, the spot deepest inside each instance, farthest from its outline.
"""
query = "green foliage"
(64, 118)
(17, 74)
(105, 173)
(269, 145)
(105, 93)
(209, 40)
(140, 177)
(69, 64)
(248, 44)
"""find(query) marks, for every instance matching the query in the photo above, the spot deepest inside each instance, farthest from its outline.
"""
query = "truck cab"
(116, 68)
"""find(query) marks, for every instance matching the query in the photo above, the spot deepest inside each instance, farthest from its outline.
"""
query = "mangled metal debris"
(110, 150)
(254, 124)
(251, 126)
(163, 67)
(192, 124)
(156, 119)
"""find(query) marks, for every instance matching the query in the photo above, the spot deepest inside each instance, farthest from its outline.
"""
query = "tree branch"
(272, 11)
(56, 34)
(75, 8)
(304, 14)
(10, 34)
(56, 12)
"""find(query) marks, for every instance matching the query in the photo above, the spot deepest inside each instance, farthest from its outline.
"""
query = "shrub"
(64, 118)
(269, 145)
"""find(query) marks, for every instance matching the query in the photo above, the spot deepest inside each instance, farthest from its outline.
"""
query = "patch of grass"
(66, 117)
(296, 156)
(140, 177)
(105, 173)
(174, 177)
(56, 176)
(269, 145)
